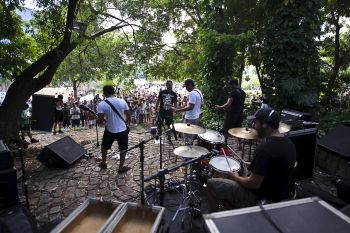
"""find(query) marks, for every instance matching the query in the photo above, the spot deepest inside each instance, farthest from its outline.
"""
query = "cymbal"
(245, 133)
(190, 152)
(188, 128)
(284, 128)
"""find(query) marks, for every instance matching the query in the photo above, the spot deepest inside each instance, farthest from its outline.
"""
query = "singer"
(166, 100)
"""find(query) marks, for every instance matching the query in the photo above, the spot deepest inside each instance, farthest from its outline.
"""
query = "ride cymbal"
(245, 133)
(189, 128)
(190, 151)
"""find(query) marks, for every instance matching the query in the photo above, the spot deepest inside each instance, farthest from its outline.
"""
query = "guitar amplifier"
(6, 160)
(288, 115)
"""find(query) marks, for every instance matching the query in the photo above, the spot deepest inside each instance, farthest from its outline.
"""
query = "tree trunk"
(24, 86)
(336, 67)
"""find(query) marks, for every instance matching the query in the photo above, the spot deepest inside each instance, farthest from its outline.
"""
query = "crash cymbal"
(284, 128)
(188, 128)
(245, 133)
(190, 151)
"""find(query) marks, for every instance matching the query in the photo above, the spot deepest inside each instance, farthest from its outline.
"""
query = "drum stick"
(228, 164)
(237, 155)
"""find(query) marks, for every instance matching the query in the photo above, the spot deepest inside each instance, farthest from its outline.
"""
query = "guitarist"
(234, 107)
(116, 126)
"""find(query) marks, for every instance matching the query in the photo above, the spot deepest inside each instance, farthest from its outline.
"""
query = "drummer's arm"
(253, 181)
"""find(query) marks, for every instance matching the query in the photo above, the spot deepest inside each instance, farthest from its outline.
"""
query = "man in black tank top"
(271, 169)
(234, 109)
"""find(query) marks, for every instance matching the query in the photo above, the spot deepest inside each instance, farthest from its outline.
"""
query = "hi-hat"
(190, 151)
(284, 128)
(188, 128)
(245, 133)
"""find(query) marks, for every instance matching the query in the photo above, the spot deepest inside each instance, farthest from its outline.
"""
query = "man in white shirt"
(194, 106)
(75, 115)
(115, 127)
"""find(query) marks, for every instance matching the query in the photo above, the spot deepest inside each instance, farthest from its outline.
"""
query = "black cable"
(269, 218)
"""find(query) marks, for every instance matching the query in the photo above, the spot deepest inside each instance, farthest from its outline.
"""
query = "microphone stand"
(141, 145)
(161, 173)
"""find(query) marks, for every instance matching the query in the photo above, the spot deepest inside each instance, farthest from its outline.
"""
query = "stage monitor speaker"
(305, 144)
(43, 112)
(337, 140)
(17, 220)
(6, 160)
(61, 153)
(8, 188)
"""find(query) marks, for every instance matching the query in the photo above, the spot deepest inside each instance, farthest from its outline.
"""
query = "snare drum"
(211, 139)
(220, 167)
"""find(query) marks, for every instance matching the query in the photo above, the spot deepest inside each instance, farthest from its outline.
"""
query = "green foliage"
(291, 57)
(17, 49)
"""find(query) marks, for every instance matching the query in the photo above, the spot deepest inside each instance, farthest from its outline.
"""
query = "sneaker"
(60, 131)
(98, 159)
(54, 132)
(102, 165)
(124, 169)
(33, 140)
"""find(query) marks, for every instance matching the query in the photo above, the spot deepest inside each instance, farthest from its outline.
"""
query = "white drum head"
(212, 136)
(219, 163)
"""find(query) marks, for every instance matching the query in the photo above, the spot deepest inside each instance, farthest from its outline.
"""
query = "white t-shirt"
(75, 112)
(113, 122)
(194, 98)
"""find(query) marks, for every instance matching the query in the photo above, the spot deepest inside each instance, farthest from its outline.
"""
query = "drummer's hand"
(232, 175)
(217, 106)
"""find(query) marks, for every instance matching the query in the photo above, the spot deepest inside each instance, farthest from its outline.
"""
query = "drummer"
(234, 107)
(271, 169)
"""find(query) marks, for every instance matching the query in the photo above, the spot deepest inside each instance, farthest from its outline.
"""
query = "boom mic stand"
(161, 174)
(83, 107)
(141, 145)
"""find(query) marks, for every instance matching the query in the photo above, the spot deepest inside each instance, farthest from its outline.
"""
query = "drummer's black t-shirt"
(274, 160)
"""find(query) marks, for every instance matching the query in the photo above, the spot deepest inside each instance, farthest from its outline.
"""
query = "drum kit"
(217, 166)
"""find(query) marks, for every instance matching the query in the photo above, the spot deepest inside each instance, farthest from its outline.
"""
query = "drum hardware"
(190, 196)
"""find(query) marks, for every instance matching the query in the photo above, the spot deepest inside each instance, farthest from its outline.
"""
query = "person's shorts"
(168, 119)
(25, 127)
(58, 116)
(109, 138)
(232, 122)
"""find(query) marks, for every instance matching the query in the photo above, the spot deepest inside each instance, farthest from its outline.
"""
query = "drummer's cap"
(188, 82)
(268, 116)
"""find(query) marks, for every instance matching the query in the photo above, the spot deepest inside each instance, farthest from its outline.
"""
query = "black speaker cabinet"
(17, 219)
(6, 160)
(61, 153)
(43, 112)
(8, 188)
(305, 144)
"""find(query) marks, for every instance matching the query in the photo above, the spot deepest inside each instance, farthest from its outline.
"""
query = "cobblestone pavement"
(54, 193)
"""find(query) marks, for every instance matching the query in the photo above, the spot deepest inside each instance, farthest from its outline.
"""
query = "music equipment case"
(75, 221)
(297, 216)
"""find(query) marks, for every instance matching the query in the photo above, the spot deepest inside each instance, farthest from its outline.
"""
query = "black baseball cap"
(268, 116)
(188, 82)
